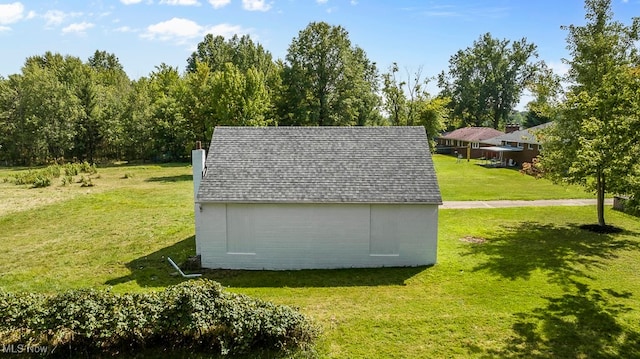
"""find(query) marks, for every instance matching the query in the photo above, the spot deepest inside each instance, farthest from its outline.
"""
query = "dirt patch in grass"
(472, 239)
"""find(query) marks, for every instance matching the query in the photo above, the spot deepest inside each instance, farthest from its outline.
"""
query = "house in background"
(465, 138)
(316, 197)
(516, 147)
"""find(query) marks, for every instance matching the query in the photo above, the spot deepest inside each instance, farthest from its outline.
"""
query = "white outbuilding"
(316, 197)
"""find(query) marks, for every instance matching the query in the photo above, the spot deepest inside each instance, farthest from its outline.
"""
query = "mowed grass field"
(513, 283)
(467, 181)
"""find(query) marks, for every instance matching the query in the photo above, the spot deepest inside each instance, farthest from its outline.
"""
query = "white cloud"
(175, 29)
(130, 2)
(10, 13)
(255, 5)
(4, 28)
(354, 2)
(77, 28)
(444, 11)
(219, 3)
(57, 17)
(226, 30)
(54, 17)
(442, 14)
(322, 1)
(184, 31)
(559, 68)
(181, 2)
(123, 29)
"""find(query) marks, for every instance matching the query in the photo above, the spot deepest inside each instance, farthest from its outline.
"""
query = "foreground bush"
(197, 314)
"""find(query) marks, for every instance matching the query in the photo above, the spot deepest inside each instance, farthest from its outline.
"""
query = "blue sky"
(146, 33)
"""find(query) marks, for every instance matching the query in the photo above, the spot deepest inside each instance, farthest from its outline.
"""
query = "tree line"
(61, 107)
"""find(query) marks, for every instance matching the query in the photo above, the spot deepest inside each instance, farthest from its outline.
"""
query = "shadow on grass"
(583, 322)
(488, 166)
(350, 277)
(580, 324)
(178, 178)
(153, 270)
(561, 252)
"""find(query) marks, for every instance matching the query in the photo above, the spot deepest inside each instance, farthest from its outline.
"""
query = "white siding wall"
(297, 236)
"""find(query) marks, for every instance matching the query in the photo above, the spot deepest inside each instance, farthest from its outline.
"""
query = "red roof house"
(468, 138)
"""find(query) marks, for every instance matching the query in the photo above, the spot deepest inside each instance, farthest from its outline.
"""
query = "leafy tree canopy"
(241, 51)
(407, 103)
(327, 81)
(485, 81)
(594, 142)
(547, 90)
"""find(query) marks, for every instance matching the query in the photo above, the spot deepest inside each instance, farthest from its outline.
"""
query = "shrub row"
(198, 315)
(632, 206)
(42, 177)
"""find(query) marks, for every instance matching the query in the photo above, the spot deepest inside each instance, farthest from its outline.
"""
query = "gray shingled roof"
(319, 165)
(527, 135)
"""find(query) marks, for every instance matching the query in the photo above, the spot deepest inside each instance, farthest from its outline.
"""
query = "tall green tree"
(407, 103)
(433, 113)
(250, 63)
(138, 141)
(8, 121)
(90, 108)
(199, 102)
(48, 106)
(112, 87)
(394, 97)
(594, 143)
(241, 51)
(402, 97)
(88, 127)
(172, 134)
(239, 99)
(485, 81)
(417, 95)
(546, 88)
(326, 80)
(365, 102)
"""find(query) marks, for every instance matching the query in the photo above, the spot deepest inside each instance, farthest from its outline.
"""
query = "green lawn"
(75, 236)
(468, 181)
(514, 283)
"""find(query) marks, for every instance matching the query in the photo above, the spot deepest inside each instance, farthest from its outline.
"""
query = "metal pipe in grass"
(195, 275)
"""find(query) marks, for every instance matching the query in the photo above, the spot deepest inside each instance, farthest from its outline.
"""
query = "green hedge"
(198, 315)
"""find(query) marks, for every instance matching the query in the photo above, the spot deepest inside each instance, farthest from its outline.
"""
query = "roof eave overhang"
(200, 201)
